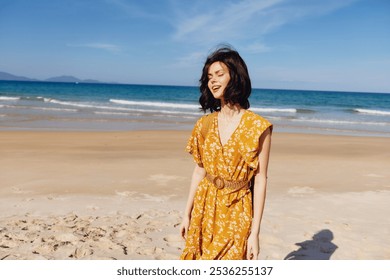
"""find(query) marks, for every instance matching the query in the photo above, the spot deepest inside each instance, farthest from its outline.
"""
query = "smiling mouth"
(215, 88)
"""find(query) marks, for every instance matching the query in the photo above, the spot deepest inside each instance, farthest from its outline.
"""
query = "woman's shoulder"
(256, 117)
(204, 122)
(205, 118)
(256, 122)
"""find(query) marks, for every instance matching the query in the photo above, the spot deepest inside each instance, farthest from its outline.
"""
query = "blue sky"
(288, 44)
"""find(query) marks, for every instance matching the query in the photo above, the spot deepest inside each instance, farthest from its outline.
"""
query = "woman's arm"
(197, 176)
(259, 190)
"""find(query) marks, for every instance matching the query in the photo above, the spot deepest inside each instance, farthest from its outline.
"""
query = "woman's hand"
(253, 248)
(184, 226)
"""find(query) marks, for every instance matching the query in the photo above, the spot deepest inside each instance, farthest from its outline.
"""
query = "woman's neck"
(230, 111)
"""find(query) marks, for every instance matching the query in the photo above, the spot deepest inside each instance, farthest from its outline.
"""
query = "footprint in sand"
(82, 251)
(92, 207)
(148, 197)
(54, 197)
(301, 190)
(66, 237)
(18, 190)
(145, 251)
(173, 240)
(125, 193)
(346, 226)
(9, 243)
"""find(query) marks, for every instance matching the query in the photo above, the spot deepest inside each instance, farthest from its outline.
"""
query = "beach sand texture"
(121, 195)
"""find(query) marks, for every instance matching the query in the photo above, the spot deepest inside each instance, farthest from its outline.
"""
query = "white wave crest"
(273, 110)
(52, 109)
(372, 112)
(113, 108)
(167, 112)
(83, 105)
(155, 104)
(8, 98)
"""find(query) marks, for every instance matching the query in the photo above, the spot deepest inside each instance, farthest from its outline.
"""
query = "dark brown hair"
(239, 87)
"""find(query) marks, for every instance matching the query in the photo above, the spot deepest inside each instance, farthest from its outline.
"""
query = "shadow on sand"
(319, 248)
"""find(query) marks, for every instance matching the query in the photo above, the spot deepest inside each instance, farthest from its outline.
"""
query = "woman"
(230, 147)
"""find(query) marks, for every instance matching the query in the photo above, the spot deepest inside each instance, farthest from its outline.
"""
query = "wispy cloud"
(257, 47)
(101, 46)
(221, 23)
(248, 20)
(190, 60)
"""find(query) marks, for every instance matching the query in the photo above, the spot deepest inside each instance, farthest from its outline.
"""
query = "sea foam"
(8, 98)
(372, 112)
(274, 110)
(155, 104)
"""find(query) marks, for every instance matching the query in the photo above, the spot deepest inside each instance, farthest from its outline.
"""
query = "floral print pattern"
(221, 218)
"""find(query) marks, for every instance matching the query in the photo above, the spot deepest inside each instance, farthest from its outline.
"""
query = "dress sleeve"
(195, 143)
(250, 139)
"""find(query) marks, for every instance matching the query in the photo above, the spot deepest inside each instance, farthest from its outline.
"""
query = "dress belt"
(221, 183)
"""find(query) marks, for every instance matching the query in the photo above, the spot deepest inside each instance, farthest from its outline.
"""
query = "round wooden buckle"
(219, 182)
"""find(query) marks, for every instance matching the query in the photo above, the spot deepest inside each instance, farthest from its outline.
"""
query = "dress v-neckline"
(234, 131)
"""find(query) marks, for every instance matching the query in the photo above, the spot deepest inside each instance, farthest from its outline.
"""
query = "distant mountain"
(64, 79)
(4, 76)
(70, 79)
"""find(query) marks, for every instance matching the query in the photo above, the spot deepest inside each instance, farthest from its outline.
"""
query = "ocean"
(112, 107)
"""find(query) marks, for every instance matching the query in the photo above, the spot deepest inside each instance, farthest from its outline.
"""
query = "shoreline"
(163, 125)
(130, 188)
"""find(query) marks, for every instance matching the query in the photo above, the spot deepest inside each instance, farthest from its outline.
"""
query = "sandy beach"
(121, 195)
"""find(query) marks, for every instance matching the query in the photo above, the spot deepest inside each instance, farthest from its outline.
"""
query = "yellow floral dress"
(221, 218)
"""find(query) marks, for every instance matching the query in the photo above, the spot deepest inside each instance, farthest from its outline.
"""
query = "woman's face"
(219, 78)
